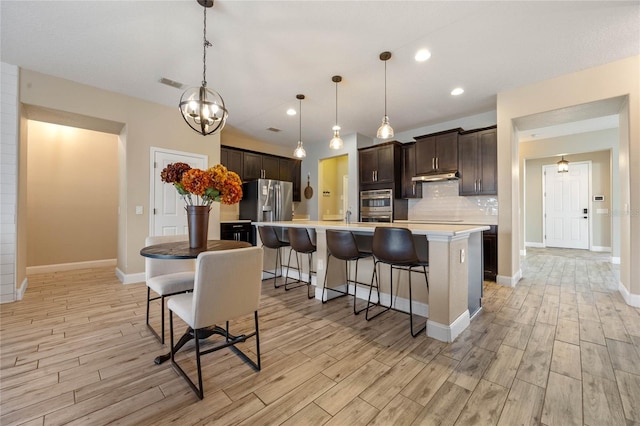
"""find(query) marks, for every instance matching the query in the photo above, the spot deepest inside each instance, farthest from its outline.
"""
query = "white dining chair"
(166, 277)
(227, 286)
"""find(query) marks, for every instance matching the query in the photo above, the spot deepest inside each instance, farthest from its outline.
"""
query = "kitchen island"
(455, 271)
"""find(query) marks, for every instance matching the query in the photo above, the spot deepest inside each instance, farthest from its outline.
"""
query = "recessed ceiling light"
(291, 111)
(422, 55)
(457, 91)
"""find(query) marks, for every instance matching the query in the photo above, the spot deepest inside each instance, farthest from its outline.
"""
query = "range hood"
(436, 177)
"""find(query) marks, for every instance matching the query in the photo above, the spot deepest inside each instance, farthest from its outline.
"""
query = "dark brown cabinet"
(490, 253)
(478, 155)
(232, 159)
(410, 189)
(380, 164)
(437, 152)
(252, 165)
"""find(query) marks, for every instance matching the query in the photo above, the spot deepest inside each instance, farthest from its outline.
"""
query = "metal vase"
(198, 222)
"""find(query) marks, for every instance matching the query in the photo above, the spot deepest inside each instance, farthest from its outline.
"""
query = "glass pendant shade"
(203, 110)
(563, 165)
(299, 152)
(385, 131)
(336, 142)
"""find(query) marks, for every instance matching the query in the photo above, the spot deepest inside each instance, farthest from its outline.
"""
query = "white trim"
(130, 278)
(615, 260)
(534, 244)
(509, 281)
(448, 333)
(631, 299)
(523, 252)
(71, 266)
(20, 291)
(601, 249)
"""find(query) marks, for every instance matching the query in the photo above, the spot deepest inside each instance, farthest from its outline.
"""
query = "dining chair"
(270, 239)
(227, 286)
(396, 247)
(343, 246)
(166, 277)
(300, 244)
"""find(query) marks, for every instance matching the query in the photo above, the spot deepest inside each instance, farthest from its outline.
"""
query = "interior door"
(168, 215)
(566, 201)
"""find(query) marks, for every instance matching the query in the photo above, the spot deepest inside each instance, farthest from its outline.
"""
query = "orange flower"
(196, 181)
(215, 184)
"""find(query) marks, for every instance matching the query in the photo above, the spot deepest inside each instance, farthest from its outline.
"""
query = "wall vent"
(172, 83)
(273, 129)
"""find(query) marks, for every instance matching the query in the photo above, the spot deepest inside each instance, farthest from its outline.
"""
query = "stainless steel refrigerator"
(266, 200)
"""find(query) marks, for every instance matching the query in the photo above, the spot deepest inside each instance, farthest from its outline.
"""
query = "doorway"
(566, 206)
(333, 187)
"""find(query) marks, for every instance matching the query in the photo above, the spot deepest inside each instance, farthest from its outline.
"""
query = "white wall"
(8, 181)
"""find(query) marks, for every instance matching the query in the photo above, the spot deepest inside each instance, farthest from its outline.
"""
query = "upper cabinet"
(254, 165)
(437, 153)
(380, 166)
(410, 189)
(478, 155)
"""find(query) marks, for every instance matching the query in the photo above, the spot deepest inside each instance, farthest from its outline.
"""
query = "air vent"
(273, 129)
(172, 83)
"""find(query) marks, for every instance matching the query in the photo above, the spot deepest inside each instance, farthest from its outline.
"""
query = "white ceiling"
(266, 52)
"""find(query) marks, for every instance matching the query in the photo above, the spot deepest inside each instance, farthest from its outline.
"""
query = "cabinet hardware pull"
(413, 188)
(433, 163)
(437, 163)
(480, 185)
(475, 185)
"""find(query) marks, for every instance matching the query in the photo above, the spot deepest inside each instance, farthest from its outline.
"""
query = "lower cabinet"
(237, 231)
(490, 250)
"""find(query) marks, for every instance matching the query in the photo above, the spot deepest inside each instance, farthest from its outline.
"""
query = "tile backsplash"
(440, 200)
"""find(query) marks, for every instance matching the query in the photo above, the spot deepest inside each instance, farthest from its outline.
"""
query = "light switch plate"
(462, 256)
(139, 209)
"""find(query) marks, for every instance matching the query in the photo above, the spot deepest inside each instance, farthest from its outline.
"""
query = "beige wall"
(144, 125)
(615, 79)
(72, 201)
(330, 189)
(600, 185)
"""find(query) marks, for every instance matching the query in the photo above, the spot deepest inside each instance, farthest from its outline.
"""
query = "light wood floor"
(561, 348)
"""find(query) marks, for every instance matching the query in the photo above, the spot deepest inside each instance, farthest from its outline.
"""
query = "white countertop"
(443, 229)
(236, 221)
(489, 220)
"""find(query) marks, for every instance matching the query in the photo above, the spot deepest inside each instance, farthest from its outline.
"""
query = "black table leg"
(203, 333)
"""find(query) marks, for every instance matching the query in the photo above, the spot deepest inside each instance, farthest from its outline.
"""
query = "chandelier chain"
(385, 88)
(300, 121)
(336, 103)
(205, 44)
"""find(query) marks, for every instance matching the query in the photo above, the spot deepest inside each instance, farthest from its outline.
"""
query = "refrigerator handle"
(277, 200)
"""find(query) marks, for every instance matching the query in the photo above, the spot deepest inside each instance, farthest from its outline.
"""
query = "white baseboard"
(130, 278)
(71, 266)
(601, 249)
(448, 333)
(615, 260)
(509, 281)
(22, 289)
(631, 299)
(534, 244)
(401, 304)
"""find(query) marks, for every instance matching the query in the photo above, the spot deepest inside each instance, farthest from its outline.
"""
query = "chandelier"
(202, 108)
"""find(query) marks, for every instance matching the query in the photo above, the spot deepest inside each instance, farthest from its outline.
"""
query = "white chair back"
(227, 285)
(155, 267)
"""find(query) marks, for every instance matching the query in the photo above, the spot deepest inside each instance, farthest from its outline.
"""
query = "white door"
(566, 203)
(168, 215)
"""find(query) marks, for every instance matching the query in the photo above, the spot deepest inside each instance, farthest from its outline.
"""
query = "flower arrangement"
(214, 184)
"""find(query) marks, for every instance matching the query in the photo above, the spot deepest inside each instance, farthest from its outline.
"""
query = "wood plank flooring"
(560, 348)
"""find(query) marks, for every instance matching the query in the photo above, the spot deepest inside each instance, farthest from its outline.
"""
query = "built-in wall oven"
(376, 205)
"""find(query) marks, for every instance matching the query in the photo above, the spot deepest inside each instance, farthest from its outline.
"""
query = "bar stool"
(342, 245)
(270, 239)
(396, 248)
(300, 244)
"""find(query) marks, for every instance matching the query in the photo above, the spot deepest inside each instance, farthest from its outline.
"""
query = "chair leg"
(324, 285)
(369, 304)
(414, 334)
(255, 316)
(275, 271)
(299, 281)
(162, 319)
(310, 295)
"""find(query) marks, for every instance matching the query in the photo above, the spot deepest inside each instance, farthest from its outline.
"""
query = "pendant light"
(336, 142)
(202, 108)
(563, 165)
(299, 152)
(385, 131)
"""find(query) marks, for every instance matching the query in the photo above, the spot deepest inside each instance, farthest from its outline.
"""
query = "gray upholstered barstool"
(396, 248)
(300, 244)
(342, 245)
(270, 239)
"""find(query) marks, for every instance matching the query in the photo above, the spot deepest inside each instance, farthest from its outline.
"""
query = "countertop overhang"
(435, 229)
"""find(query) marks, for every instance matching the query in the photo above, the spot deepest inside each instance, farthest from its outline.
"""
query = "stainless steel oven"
(376, 205)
